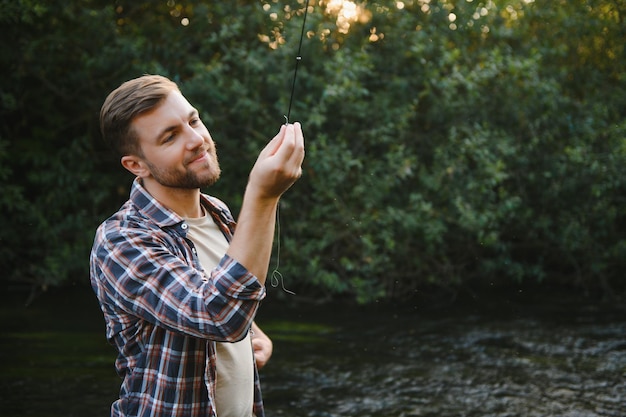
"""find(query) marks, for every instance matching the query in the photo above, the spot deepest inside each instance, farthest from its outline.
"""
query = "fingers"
(297, 156)
(262, 347)
(280, 163)
(291, 148)
(260, 353)
(273, 146)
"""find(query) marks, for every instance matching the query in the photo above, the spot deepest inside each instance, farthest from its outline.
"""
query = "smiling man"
(178, 284)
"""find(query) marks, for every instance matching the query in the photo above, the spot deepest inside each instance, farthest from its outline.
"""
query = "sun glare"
(347, 13)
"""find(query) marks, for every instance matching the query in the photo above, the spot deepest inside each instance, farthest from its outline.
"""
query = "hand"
(262, 346)
(279, 164)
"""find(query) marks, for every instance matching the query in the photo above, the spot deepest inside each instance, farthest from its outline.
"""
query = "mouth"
(201, 157)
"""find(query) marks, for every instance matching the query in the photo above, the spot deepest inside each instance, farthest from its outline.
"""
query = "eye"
(169, 138)
(195, 121)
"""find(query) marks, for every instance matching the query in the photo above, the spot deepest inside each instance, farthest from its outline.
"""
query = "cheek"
(166, 157)
(211, 143)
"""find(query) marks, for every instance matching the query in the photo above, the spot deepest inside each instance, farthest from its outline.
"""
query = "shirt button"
(184, 226)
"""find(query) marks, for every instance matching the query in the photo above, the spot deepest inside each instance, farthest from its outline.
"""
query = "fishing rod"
(298, 59)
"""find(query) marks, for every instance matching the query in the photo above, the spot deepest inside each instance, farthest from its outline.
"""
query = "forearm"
(135, 273)
(252, 242)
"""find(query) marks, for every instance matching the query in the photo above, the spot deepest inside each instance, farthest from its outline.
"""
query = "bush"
(449, 144)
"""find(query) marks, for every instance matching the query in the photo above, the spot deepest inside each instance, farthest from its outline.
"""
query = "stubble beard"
(188, 179)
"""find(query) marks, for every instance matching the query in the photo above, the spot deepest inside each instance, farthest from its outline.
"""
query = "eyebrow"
(192, 113)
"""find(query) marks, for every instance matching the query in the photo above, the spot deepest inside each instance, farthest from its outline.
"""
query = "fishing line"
(276, 278)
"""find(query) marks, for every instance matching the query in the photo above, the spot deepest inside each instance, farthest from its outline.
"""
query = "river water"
(513, 357)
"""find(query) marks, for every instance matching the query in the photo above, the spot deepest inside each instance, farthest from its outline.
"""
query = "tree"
(449, 143)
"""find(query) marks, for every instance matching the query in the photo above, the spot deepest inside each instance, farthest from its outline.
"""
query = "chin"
(212, 179)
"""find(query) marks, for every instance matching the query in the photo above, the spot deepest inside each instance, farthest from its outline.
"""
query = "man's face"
(177, 148)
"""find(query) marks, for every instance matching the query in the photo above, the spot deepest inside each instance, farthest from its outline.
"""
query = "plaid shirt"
(163, 312)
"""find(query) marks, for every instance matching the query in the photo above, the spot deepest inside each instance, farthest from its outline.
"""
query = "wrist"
(253, 195)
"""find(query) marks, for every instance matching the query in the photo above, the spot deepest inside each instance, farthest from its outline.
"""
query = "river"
(514, 356)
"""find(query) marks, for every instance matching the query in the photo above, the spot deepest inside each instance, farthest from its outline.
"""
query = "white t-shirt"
(235, 367)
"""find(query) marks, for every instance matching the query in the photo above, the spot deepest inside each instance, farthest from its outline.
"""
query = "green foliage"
(449, 143)
(451, 155)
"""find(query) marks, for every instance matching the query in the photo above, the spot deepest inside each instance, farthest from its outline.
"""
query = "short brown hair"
(126, 102)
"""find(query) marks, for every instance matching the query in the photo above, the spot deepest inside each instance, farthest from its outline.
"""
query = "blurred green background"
(452, 146)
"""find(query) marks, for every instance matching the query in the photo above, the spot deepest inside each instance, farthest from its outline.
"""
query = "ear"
(135, 165)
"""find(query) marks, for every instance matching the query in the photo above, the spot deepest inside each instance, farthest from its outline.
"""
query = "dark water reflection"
(512, 358)
(504, 360)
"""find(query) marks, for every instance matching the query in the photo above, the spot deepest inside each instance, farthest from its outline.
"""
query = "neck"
(184, 202)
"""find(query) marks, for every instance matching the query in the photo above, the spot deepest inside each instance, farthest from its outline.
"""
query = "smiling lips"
(203, 156)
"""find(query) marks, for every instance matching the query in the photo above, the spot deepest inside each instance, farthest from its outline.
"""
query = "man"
(178, 286)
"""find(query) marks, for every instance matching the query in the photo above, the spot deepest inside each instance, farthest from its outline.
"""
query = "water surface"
(509, 358)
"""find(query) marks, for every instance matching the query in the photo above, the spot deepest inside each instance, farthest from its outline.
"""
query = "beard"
(208, 175)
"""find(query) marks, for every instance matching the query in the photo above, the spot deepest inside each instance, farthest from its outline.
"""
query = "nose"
(194, 138)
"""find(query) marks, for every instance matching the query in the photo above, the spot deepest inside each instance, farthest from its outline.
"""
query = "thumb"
(274, 145)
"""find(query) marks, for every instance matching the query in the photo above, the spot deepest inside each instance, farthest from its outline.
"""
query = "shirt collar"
(164, 217)
(150, 206)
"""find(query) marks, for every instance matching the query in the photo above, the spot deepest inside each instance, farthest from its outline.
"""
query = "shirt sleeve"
(144, 273)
